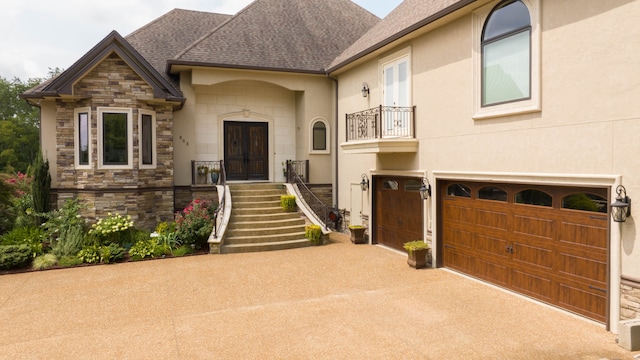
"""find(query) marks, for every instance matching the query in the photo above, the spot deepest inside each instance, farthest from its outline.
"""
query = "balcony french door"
(396, 93)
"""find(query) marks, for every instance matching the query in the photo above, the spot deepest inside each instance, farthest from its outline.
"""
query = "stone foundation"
(629, 299)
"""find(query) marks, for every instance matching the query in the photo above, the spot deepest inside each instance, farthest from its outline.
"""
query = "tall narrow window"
(506, 54)
(319, 136)
(82, 137)
(397, 93)
(146, 140)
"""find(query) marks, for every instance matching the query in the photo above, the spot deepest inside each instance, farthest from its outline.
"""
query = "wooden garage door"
(549, 243)
(398, 214)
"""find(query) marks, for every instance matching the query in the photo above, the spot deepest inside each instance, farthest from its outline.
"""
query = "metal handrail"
(219, 215)
(315, 204)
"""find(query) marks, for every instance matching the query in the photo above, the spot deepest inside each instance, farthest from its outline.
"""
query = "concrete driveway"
(337, 301)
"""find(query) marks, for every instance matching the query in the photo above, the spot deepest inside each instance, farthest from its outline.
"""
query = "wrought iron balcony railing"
(381, 122)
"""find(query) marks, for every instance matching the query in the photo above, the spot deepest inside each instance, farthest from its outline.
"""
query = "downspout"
(336, 184)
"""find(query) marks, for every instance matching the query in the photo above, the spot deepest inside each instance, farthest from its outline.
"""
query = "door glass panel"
(492, 193)
(458, 190)
(585, 202)
(412, 185)
(390, 184)
(534, 197)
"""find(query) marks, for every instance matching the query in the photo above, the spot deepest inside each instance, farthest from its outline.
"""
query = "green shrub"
(14, 256)
(70, 242)
(183, 250)
(143, 249)
(28, 235)
(44, 261)
(288, 202)
(68, 261)
(94, 254)
(90, 254)
(112, 229)
(41, 186)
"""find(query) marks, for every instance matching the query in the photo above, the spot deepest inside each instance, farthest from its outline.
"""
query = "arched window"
(319, 140)
(534, 197)
(458, 190)
(492, 193)
(506, 54)
(585, 202)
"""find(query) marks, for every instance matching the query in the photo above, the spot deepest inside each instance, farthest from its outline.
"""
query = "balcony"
(383, 129)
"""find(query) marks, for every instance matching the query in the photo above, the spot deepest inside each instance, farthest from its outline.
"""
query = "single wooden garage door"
(549, 243)
(398, 214)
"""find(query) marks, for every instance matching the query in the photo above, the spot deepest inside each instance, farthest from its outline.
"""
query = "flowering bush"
(22, 200)
(112, 229)
(195, 223)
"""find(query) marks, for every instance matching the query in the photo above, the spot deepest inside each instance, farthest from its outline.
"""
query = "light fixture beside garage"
(425, 189)
(364, 184)
(365, 89)
(621, 208)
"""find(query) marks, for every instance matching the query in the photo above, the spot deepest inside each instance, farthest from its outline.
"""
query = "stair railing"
(219, 214)
(323, 212)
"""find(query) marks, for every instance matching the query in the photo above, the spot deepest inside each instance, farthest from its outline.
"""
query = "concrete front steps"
(258, 223)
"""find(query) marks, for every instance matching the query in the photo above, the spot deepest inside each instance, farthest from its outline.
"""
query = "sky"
(38, 35)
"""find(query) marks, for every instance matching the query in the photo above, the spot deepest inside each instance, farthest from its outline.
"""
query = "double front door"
(246, 148)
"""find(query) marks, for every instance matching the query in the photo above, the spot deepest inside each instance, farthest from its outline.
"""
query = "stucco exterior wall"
(288, 102)
(589, 110)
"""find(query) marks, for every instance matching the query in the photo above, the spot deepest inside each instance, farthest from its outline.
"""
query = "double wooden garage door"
(549, 243)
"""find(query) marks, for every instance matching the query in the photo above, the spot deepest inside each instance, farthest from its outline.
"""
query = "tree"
(41, 186)
(19, 126)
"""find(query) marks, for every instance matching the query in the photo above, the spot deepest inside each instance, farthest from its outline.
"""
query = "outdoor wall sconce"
(425, 189)
(364, 184)
(621, 208)
(365, 89)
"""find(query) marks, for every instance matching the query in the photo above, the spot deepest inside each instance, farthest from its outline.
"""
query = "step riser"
(251, 199)
(262, 232)
(257, 186)
(257, 205)
(272, 192)
(265, 247)
(263, 238)
(265, 224)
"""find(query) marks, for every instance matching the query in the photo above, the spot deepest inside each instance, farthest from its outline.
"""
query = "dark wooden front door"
(246, 149)
(398, 214)
(549, 243)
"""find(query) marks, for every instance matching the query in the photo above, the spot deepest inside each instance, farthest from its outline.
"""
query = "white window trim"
(154, 147)
(76, 137)
(393, 58)
(327, 136)
(534, 103)
(129, 112)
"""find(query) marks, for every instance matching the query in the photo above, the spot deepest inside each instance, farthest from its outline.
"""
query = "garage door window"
(492, 193)
(412, 185)
(458, 190)
(534, 197)
(585, 202)
(390, 185)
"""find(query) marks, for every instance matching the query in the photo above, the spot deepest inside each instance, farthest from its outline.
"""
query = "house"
(136, 117)
(520, 117)
(515, 118)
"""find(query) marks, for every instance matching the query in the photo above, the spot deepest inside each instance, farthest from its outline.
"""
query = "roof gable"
(113, 43)
(287, 35)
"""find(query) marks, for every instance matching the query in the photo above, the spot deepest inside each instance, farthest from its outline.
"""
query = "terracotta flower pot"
(357, 235)
(417, 258)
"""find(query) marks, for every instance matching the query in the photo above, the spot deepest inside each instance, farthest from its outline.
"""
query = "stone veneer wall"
(630, 299)
(145, 194)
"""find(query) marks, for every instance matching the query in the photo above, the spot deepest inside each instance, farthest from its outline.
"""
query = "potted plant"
(288, 202)
(417, 253)
(215, 175)
(357, 233)
(202, 170)
(314, 234)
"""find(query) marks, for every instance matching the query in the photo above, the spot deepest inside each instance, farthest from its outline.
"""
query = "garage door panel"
(537, 285)
(491, 219)
(583, 301)
(458, 238)
(585, 268)
(533, 226)
(489, 270)
(531, 255)
(458, 212)
(574, 234)
(457, 260)
(491, 246)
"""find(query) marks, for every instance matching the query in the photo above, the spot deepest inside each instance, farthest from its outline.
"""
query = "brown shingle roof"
(409, 16)
(289, 35)
(168, 35)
